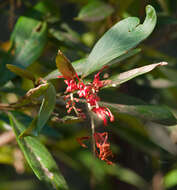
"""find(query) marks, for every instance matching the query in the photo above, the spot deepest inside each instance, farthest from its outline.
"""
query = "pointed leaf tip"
(128, 75)
(64, 66)
(163, 63)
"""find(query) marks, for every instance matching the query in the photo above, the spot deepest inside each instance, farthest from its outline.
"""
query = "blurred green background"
(145, 151)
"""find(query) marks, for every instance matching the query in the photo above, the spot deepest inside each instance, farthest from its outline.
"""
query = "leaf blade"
(64, 66)
(38, 157)
(29, 38)
(122, 37)
(21, 72)
(46, 108)
(159, 114)
(128, 75)
(94, 11)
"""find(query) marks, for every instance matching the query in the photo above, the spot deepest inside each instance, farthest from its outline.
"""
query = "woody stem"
(93, 131)
(92, 178)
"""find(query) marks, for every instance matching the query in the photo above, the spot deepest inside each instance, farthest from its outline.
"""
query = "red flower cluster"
(89, 93)
(103, 150)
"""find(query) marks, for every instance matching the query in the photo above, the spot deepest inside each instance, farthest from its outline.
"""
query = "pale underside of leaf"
(126, 76)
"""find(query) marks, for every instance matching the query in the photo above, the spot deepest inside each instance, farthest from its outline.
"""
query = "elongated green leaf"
(21, 72)
(159, 114)
(122, 37)
(38, 157)
(27, 121)
(30, 130)
(48, 104)
(126, 76)
(29, 38)
(32, 94)
(94, 11)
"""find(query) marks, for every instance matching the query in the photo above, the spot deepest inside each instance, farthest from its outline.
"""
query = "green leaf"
(158, 114)
(170, 179)
(47, 106)
(126, 76)
(94, 11)
(32, 94)
(30, 130)
(29, 38)
(21, 72)
(38, 157)
(122, 37)
(124, 56)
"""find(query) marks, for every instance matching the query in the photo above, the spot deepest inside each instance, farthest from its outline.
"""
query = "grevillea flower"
(103, 151)
(71, 85)
(104, 113)
(84, 90)
(93, 99)
(89, 92)
(97, 83)
(101, 141)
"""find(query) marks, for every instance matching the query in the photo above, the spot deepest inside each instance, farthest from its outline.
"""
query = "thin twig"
(92, 177)
(93, 132)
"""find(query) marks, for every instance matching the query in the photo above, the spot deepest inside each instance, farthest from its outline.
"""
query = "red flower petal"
(101, 140)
